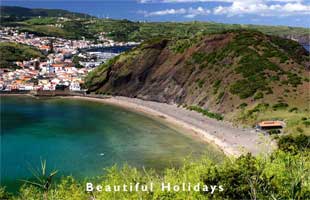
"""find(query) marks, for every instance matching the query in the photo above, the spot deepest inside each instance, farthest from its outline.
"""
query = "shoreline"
(233, 141)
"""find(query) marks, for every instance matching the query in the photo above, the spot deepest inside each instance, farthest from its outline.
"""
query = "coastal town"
(64, 66)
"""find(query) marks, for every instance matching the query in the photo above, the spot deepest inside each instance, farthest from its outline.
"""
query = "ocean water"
(81, 138)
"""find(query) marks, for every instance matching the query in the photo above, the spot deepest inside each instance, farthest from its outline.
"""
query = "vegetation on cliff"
(217, 72)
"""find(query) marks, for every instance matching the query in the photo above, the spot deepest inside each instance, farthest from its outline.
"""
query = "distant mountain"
(125, 30)
(21, 12)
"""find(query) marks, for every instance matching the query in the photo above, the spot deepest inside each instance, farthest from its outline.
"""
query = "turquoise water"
(80, 138)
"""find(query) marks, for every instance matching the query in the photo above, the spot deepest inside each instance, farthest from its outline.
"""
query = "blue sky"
(268, 12)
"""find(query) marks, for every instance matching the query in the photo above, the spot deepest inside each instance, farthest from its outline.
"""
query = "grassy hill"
(23, 13)
(43, 22)
(11, 52)
(125, 30)
(244, 75)
(70, 29)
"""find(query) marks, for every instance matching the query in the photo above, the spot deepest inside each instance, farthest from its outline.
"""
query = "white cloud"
(238, 7)
(189, 13)
(164, 12)
(263, 9)
(199, 1)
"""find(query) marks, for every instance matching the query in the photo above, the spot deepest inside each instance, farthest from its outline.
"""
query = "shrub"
(243, 105)
(258, 95)
(220, 96)
(280, 105)
(216, 86)
(274, 131)
(4, 194)
(247, 87)
(207, 113)
(275, 78)
(198, 57)
(293, 109)
(181, 45)
(294, 79)
(290, 143)
(259, 108)
(300, 130)
(200, 82)
(306, 123)
(282, 175)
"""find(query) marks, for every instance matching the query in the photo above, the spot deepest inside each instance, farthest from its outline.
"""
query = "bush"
(181, 45)
(257, 109)
(243, 105)
(200, 82)
(274, 131)
(306, 123)
(246, 88)
(216, 86)
(294, 79)
(220, 96)
(293, 109)
(290, 143)
(280, 105)
(300, 130)
(258, 95)
(198, 57)
(207, 113)
(281, 175)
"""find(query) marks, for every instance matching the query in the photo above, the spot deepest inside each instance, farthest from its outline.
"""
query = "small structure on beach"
(267, 125)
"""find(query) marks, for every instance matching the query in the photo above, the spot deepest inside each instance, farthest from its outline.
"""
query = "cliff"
(222, 72)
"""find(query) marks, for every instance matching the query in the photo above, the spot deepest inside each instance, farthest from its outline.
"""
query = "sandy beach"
(233, 141)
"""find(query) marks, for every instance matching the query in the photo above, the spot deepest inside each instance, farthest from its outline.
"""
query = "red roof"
(270, 123)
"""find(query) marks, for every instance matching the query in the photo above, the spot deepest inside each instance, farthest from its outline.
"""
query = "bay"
(81, 138)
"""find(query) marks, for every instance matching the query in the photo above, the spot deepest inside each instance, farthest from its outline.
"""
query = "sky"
(266, 12)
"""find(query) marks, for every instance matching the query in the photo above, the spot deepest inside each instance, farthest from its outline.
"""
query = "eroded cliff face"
(302, 39)
(218, 71)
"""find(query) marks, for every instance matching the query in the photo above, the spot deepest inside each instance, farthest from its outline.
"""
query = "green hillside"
(20, 13)
(246, 76)
(11, 52)
(136, 31)
(125, 30)
(73, 29)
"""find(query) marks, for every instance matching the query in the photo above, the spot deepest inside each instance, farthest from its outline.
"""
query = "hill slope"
(22, 12)
(125, 30)
(226, 73)
(11, 52)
